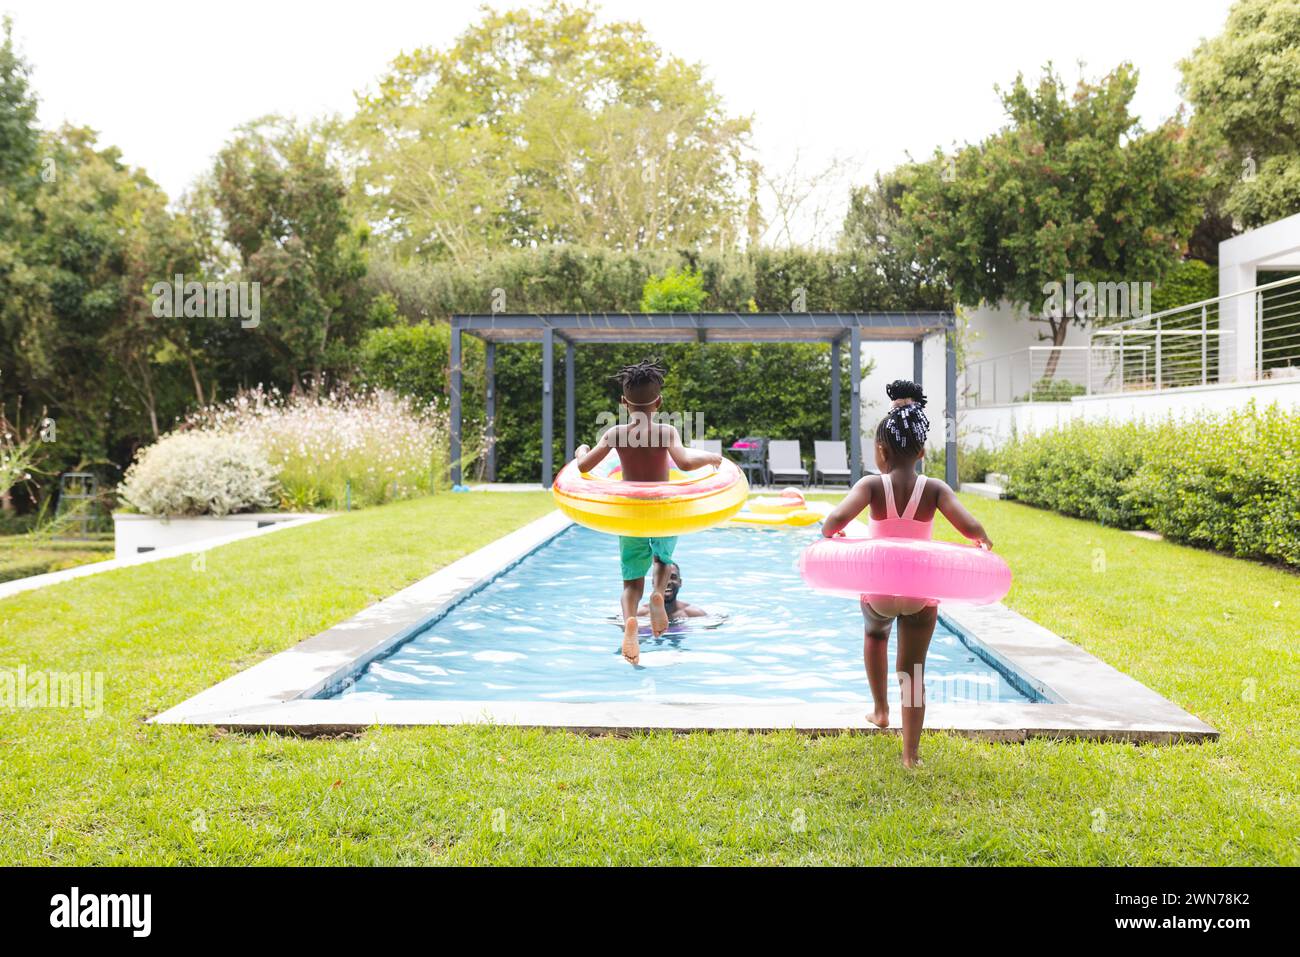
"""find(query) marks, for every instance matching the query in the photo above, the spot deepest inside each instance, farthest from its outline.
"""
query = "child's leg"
(914, 634)
(634, 558)
(633, 589)
(875, 655)
(658, 613)
(631, 601)
(662, 549)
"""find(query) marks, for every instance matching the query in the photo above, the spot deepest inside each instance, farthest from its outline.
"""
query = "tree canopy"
(282, 204)
(1245, 87)
(536, 128)
(1072, 185)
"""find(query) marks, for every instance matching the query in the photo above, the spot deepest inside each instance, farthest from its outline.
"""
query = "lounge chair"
(785, 463)
(831, 463)
(708, 445)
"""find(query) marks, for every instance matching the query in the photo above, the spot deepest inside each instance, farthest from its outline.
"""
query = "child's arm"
(589, 458)
(850, 507)
(688, 459)
(955, 512)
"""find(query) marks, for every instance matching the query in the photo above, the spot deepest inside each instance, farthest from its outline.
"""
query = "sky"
(854, 86)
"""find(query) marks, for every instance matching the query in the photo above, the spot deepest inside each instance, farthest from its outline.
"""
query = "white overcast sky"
(867, 82)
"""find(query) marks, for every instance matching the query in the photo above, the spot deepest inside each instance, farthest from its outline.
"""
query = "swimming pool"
(547, 629)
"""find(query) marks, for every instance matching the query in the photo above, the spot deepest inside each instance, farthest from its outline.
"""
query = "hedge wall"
(1229, 482)
(779, 390)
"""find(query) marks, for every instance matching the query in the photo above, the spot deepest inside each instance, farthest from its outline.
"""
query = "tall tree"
(1245, 87)
(18, 133)
(1071, 186)
(549, 127)
(76, 332)
(875, 227)
(282, 203)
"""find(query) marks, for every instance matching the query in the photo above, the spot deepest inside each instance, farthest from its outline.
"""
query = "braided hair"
(647, 372)
(904, 429)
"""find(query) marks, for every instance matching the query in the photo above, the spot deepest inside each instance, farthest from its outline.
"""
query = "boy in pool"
(675, 608)
(645, 448)
(900, 445)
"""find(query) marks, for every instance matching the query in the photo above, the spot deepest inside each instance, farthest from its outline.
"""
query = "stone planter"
(138, 534)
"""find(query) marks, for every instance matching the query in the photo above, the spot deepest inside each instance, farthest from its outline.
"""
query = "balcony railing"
(1250, 335)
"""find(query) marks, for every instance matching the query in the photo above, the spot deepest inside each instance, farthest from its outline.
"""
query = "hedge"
(780, 390)
(1230, 481)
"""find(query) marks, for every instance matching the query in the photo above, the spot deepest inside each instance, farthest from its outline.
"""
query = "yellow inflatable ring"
(789, 500)
(795, 519)
(687, 502)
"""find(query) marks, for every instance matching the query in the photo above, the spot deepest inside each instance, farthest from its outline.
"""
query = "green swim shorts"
(636, 554)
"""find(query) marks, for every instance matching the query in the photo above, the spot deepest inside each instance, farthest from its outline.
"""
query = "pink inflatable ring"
(905, 568)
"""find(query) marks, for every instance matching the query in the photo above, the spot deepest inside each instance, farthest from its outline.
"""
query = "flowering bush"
(190, 473)
(338, 449)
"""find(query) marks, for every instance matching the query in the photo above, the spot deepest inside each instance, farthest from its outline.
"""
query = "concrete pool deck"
(1085, 697)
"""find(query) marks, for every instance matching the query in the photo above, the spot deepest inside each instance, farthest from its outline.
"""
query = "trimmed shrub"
(1229, 482)
(1081, 469)
(1190, 281)
(675, 291)
(189, 473)
(973, 462)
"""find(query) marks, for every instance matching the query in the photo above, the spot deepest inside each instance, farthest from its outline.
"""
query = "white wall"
(893, 360)
(1274, 246)
(135, 534)
(997, 330)
(992, 426)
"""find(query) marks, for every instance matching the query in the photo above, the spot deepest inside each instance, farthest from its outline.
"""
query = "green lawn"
(24, 555)
(1214, 634)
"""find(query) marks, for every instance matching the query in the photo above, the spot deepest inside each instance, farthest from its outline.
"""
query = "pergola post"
(855, 407)
(835, 390)
(570, 442)
(548, 397)
(490, 409)
(950, 407)
(455, 401)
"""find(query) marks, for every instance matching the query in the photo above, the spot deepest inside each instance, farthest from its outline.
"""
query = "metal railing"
(1251, 335)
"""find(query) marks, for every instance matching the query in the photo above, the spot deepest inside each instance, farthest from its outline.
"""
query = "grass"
(1212, 633)
(22, 555)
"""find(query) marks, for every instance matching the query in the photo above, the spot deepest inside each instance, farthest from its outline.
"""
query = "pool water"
(547, 629)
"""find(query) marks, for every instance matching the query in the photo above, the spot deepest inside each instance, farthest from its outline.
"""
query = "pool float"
(687, 502)
(787, 500)
(788, 509)
(905, 568)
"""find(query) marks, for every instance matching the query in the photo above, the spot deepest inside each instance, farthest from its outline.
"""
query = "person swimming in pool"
(673, 605)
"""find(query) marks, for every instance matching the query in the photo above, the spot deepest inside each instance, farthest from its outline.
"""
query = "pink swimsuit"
(894, 525)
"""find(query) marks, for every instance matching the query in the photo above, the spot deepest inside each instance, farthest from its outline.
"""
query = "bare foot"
(911, 761)
(631, 642)
(879, 718)
(658, 616)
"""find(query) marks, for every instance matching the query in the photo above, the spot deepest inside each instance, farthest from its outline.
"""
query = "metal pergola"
(573, 329)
